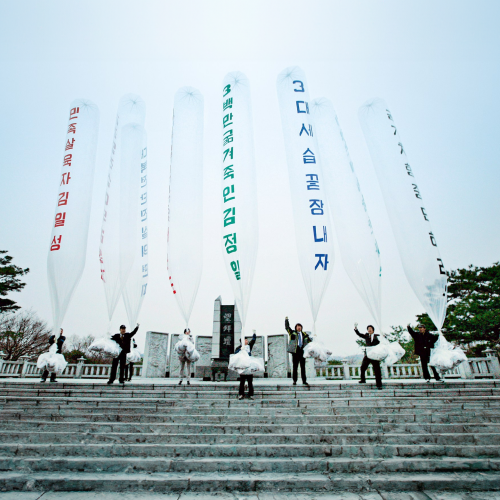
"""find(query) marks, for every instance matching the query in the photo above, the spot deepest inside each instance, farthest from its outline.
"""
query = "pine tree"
(9, 281)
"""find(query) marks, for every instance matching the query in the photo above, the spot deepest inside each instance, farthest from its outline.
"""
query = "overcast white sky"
(435, 63)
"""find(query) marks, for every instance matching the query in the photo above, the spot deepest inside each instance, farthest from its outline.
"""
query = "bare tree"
(23, 333)
(82, 344)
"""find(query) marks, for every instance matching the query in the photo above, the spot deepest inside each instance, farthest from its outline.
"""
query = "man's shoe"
(53, 381)
(188, 382)
(295, 383)
(440, 381)
(306, 384)
(361, 381)
(427, 381)
(110, 382)
(180, 382)
(42, 380)
(379, 387)
(240, 397)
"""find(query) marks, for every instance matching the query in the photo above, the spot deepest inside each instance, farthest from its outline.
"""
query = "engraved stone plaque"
(174, 364)
(155, 355)
(277, 356)
(204, 347)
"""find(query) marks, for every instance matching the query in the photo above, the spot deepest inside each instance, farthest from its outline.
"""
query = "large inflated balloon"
(240, 233)
(409, 217)
(131, 111)
(68, 248)
(313, 227)
(185, 212)
(135, 289)
(358, 246)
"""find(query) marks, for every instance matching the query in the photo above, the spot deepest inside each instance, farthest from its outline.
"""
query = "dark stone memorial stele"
(227, 332)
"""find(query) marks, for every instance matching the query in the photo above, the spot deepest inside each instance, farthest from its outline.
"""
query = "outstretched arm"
(411, 331)
(134, 331)
(362, 335)
(287, 326)
(252, 342)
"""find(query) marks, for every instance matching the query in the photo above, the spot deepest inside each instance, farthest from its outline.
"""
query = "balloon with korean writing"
(313, 228)
(68, 247)
(185, 227)
(135, 288)
(409, 218)
(240, 232)
(358, 247)
(121, 180)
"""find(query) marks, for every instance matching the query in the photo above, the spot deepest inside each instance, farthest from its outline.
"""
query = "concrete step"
(373, 417)
(244, 465)
(33, 428)
(249, 439)
(243, 482)
(148, 450)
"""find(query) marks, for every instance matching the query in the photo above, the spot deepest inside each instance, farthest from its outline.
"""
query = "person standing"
(424, 342)
(123, 339)
(129, 367)
(184, 361)
(298, 339)
(371, 339)
(246, 378)
(60, 342)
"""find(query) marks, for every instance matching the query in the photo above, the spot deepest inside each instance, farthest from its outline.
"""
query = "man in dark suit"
(246, 378)
(123, 340)
(298, 339)
(371, 339)
(424, 342)
(60, 342)
(129, 367)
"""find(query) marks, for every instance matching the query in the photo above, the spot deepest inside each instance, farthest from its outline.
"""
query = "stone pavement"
(341, 438)
(420, 495)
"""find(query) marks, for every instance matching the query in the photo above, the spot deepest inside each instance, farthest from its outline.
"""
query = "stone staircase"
(343, 437)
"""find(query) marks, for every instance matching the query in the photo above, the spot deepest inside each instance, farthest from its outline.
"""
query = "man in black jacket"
(424, 342)
(123, 340)
(371, 339)
(129, 367)
(60, 342)
(246, 378)
(298, 339)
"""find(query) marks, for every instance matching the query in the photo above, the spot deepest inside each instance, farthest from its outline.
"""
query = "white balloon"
(135, 288)
(68, 248)
(185, 212)
(415, 239)
(131, 110)
(313, 228)
(358, 246)
(240, 232)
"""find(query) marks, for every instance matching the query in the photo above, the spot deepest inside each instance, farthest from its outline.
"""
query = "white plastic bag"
(134, 356)
(317, 350)
(193, 356)
(396, 352)
(239, 361)
(106, 346)
(41, 362)
(184, 346)
(56, 363)
(378, 352)
(444, 356)
(256, 365)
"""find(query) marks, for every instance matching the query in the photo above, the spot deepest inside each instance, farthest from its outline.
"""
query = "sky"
(436, 64)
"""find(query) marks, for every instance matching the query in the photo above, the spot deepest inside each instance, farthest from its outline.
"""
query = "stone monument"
(278, 365)
(202, 366)
(155, 364)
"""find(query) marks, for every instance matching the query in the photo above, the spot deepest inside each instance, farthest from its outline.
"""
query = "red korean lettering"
(67, 160)
(69, 144)
(63, 199)
(56, 243)
(72, 128)
(73, 114)
(65, 178)
(60, 219)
